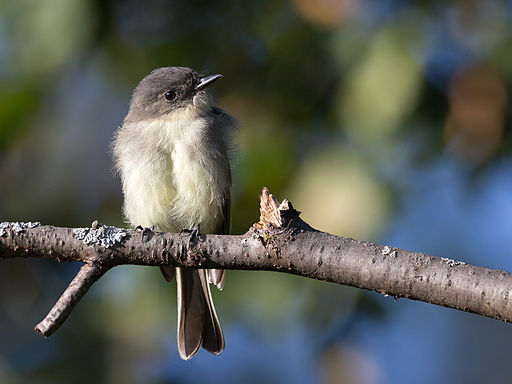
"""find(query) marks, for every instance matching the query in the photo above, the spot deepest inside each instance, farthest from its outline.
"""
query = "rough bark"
(280, 241)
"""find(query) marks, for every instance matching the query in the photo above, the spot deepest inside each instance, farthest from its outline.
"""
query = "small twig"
(87, 276)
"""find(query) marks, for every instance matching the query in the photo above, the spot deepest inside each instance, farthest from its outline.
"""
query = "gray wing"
(224, 120)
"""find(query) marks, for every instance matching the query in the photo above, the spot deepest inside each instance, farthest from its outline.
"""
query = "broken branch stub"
(275, 215)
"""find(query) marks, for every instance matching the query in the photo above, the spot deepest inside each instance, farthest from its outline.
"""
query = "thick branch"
(281, 241)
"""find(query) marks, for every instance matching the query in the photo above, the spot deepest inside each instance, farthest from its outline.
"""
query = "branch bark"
(280, 241)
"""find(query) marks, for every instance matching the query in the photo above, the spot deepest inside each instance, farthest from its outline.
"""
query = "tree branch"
(280, 241)
(88, 274)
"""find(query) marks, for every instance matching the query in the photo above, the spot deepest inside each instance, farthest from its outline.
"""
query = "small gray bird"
(172, 155)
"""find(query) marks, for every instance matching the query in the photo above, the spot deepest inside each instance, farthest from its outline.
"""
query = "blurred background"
(381, 120)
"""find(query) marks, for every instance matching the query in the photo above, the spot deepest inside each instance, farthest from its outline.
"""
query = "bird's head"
(168, 90)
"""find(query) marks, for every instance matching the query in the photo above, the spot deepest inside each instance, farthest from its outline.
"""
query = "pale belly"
(174, 194)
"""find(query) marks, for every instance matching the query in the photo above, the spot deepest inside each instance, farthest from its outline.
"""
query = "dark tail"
(198, 325)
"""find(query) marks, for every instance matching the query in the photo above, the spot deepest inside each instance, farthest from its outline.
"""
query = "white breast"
(199, 192)
(169, 178)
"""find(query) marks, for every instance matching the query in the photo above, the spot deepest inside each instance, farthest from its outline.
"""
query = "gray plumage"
(172, 155)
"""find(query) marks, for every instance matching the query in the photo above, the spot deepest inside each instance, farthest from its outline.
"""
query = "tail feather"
(216, 277)
(213, 339)
(169, 273)
(198, 324)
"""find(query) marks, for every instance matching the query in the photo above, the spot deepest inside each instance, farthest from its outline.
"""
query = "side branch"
(280, 241)
(86, 277)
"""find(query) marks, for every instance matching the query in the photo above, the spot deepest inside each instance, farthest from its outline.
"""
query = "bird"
(172, 153)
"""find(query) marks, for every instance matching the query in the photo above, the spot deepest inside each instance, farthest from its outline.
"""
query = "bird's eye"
(170, 95)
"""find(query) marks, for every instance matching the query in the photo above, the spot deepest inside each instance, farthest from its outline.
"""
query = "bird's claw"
(193, 233)
(145, 231)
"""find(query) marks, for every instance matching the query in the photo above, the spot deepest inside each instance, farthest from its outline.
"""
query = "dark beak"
(205, 81)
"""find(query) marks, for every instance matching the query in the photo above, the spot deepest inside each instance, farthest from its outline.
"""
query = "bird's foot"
(145, 231)
(193, 234)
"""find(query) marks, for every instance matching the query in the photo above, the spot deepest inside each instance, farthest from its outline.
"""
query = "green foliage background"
(384, 121)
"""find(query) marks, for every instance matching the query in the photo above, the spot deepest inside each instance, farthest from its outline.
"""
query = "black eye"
(170, 95)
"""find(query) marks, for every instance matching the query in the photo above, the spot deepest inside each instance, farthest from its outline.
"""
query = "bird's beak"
(205, 81)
